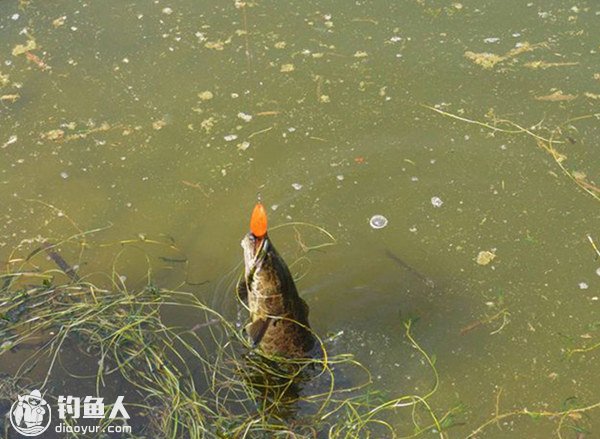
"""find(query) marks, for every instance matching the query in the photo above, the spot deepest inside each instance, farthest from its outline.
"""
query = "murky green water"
(318, 106)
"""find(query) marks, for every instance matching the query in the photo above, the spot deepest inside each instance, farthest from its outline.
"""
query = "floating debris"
(244, 116)
(546, 65)
(20, 49)
(64, 175)
(12, 139)
(436, 201)
(205, 95)
(12, 98)
(489, 60)
(360, 54)
(37, 61)
(557, 96)
(215, 45)
(297, 186)
(583, 286)
(491, 40)
(54, 135)
(243, 146)
(598, 271)
(167, 11)
(324, 99)
(485, 59)
(60, 21)
(378, 221)
(287, 68)
(4, 80)
(230, 137)
(159, 124)
(485, 257)
(208, 124)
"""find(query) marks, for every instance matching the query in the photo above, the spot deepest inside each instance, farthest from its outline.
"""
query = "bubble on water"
(436, 201)
(491, 40)
(378, 221)
(230, 137)
(598, 271)
(167, 11)
(64, 175)
(297, 186)
(583, 286)
(15, 17)
(340, 177)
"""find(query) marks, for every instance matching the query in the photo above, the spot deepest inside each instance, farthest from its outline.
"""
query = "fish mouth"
(254, 252)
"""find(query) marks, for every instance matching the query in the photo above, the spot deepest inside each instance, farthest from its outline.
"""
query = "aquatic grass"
(191, 382)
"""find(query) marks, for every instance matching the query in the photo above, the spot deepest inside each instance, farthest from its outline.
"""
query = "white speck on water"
(64, 175)
(297, 186)
(414, 178)
(274, 207)
(122, 278)
(378, 221)
(595, 298)
(583, 286)
(234, 95)
(15, 17)
(516, 35)
(491, 40)
(244, 116)
(167, 11)
(340, 177)
(128, 204)
(291, 129)
(413, 229)
(503, 147)
(230, 137)
(436, 202)
(598, 271)
(126, 60)
(395, 39)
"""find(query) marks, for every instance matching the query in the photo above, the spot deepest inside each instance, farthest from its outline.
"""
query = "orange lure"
(258, 221)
